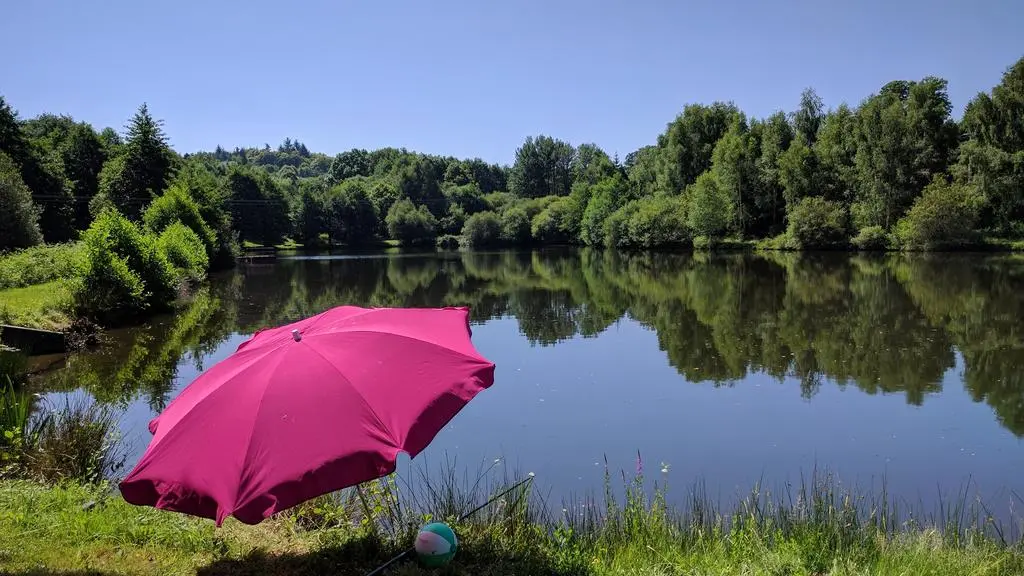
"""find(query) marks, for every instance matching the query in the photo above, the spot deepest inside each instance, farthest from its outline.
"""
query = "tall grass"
(77, 441)
(819, 523)
(41, 264)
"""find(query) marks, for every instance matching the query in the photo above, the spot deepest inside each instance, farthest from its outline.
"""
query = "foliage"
(710, 208)
(185, 252)
(542, 168)
(603, 198)
(482, 229)
(871, 238)
(20, 216)
(259, 210)
(944, 216)
(140, 171)
(351, 216)
(176, 205)
(555, 223)
(818, 223)
(515, 225)
(126, 273)
(411, 225)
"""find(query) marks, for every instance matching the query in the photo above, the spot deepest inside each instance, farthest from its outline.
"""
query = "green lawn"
(50, 531)
(45, 306)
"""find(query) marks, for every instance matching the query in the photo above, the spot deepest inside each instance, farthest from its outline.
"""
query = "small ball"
(436, 545)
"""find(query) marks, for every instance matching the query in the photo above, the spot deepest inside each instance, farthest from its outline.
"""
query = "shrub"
(944, 216)
(616, 226)
(448, 242)
(818, 223)
(125, 272)
(710, 209)
(555, 223)
(40, 264)
(657, 221)
(515, 225)
(871, 238)
(411, 225)
(482, 229)
(177, 205)
(185, 252)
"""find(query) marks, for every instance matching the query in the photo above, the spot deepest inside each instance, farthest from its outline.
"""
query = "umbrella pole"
(380, 569)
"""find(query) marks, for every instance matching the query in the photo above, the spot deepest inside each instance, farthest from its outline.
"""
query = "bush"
(18, 214)
(515, 226)
(177, 205)
(657, 221)
(40, 264)
(818, 223)
(871, 238)
(411, 225)
(482, 229)
(125, 271)
(185, 252)
(710, 209)
(448, 242)
(944, 216)
(555, 224)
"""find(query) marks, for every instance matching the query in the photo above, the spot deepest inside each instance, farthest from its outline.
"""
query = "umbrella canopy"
(309, 408)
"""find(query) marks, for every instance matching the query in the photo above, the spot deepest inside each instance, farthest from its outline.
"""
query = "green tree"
(710, 209)
(815, 222)
(776, 137)
(556, 224)
(141, 170)
(42, 173)
(808, 118)
(732, 165)
(19, 217)
(411, 225)
(992, 158)
(944, 216)
(798, 172)
(542, 168)
(259, 211)
(686, 146)
(605, 198)
(176, 204)
(351, 216)
(482, 229)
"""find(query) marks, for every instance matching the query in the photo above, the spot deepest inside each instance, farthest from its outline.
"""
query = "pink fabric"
(281, 421)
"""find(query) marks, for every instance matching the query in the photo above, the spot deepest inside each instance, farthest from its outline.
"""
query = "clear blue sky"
(475, 77)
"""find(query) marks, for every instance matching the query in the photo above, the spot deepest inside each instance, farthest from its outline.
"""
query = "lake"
(728, 369)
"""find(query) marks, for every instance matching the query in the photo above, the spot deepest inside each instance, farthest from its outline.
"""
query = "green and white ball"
(436, 544)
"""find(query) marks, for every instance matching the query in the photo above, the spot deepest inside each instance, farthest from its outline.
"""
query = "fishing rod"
(380, 569)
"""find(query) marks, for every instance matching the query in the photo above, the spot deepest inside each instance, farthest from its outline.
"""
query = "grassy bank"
(81, 529)
(48, 306)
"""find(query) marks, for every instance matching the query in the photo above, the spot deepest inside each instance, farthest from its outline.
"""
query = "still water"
(726, 369)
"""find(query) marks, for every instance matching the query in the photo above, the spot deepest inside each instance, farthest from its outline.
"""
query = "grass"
(816, 531)
(41, 264)
(47, 306)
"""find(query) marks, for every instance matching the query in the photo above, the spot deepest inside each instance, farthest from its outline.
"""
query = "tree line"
(894, 171)
(889, 324)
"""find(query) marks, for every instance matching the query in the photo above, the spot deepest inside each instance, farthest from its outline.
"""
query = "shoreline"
(80, 527)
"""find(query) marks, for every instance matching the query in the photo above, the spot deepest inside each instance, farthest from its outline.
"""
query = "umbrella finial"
(296, 336)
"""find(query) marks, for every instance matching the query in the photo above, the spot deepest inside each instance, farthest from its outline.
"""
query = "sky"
(474, 78)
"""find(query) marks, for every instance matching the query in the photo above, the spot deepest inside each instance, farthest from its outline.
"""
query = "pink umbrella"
(309, 408)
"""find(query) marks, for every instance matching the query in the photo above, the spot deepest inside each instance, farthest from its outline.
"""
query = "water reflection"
(881, 323)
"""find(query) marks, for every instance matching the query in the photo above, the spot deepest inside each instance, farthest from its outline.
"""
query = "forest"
(894, 172)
